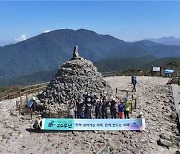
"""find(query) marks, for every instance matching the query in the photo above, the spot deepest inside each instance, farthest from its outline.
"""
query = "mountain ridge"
(47, 51)
(171, 40)
(119, 66)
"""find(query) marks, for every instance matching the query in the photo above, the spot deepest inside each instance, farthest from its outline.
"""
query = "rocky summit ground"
(154, 99)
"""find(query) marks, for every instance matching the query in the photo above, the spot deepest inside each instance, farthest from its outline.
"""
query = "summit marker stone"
(74, 79)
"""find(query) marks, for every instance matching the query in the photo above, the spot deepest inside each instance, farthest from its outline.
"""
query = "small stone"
(163, 142)
(162, 136)
(177, 138)
(177, 152)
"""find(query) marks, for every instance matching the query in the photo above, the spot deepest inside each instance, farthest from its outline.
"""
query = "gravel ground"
(154, 99)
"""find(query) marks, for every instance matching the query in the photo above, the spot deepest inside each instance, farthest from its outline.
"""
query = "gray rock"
(173, 115)
(143, 140)
(177, 138)
(164, 142)
(75, 78)
(163, 136)
(105, 150)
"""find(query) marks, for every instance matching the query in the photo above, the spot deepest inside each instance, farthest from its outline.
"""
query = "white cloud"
(46, 31)
(21, 38)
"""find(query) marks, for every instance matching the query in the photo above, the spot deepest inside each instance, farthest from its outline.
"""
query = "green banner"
(93, 124)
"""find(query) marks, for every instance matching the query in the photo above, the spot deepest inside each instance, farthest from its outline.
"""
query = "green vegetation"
(4, 91)
(127, 66)
(46, 52)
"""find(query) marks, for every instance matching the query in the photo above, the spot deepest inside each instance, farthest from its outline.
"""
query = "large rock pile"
(75, 78)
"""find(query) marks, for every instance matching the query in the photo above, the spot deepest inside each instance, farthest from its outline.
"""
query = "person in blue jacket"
(121, 109)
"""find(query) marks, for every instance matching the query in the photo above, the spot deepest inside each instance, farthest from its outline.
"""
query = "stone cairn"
(74, 79)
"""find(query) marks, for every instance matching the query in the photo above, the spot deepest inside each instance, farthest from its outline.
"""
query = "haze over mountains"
(48, 51)
(171, 40)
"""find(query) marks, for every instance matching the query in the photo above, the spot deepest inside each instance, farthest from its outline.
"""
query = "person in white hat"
(38, 122)
(34, 98)
(113, 108)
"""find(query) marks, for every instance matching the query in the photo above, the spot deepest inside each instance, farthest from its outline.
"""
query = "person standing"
(79, 106)
(98, 108)
(121, 109)
(127, 107)
(105, 104)
(88, 106)
(113, 108)
(134, 81)
(38, 123)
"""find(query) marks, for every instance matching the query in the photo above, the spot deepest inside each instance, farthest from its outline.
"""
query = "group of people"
(99, 108)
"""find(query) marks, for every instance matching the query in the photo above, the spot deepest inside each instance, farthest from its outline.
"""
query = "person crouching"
(38, 123)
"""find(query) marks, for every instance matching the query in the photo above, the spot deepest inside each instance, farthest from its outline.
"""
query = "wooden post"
(135, 103)
(116, 90)
(19, 108)
(26, 97)
(20, 100)
(17, 105)
(152, 70)
(126, 93)
(131, 107)
(20, 104)
(31, 112)
(8, 95)
(132, 96)
(160, 72)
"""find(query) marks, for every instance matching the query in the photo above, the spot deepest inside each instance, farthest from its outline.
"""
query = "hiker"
(98, 108)
(79, 105)
(113, 108)
(31, 105)
(127, 107)
(38, 123)
(132, 77)
(104, 108)
(88, 106)
(134, 81)
(121, 109)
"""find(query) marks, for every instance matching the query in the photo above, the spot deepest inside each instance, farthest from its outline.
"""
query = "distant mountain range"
(47, 51)
(124, 66)
(167, 40)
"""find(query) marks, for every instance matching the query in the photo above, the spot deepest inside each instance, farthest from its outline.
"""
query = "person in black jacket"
(113, 108)
(134, 81)
(79, 105)
(98, 108)
(105, 105)
(88, 106)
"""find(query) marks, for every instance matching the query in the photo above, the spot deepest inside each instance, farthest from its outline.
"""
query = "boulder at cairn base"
(75, 78)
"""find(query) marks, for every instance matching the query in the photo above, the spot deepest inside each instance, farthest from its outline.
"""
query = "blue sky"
(130, 20)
